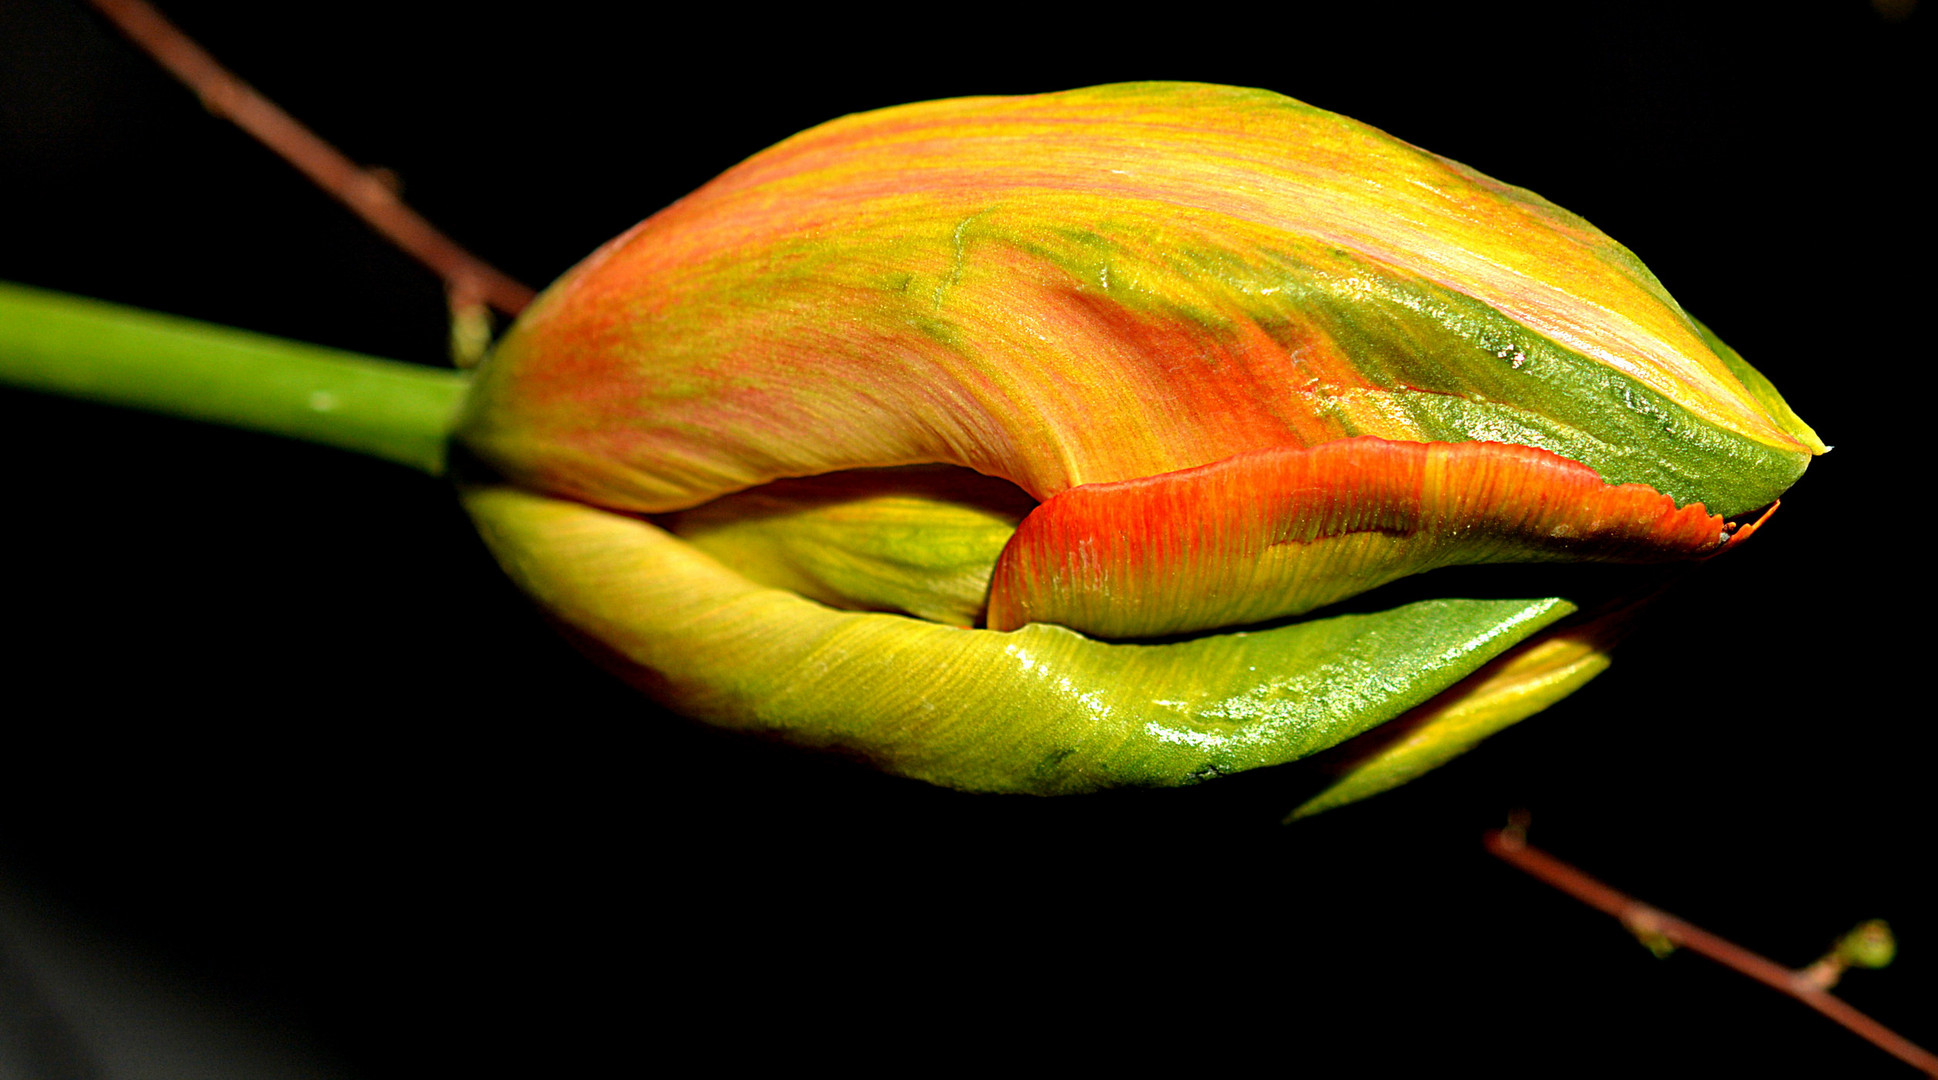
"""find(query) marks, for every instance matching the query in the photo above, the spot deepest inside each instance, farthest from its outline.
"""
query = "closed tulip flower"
(1020, 444)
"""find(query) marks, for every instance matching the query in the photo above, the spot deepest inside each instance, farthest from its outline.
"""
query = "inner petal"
(922, 540)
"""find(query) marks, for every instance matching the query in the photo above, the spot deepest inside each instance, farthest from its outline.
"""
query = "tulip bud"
(1120, 363)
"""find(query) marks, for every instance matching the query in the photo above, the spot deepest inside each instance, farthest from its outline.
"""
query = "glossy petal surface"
(1522, 682)
(1043, 710)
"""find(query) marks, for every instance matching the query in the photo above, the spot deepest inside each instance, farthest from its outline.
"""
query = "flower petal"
(1283, 531)
(1523, 681)
(921, 541)
(1102, 285)
(1043, 710)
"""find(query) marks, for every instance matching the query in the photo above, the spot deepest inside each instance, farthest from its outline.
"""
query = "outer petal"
(1102, 285)
(1042, 710)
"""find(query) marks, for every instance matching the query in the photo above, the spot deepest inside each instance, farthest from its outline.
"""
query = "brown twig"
(468, 279)
(1646, 922)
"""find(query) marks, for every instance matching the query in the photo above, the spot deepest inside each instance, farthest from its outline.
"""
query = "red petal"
(1284, 530)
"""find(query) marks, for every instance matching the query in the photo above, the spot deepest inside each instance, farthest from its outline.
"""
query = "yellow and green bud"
(910, 436)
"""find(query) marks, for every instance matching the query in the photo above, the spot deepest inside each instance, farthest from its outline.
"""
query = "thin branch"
(468, 279)
(1645, 921)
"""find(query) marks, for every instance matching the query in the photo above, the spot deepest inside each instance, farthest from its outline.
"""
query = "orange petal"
(1100, 285)
(1282, 531)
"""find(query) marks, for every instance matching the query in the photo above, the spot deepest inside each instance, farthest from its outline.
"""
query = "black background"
(276, 732)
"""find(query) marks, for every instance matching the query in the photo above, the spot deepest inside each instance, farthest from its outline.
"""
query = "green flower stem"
(61, 344)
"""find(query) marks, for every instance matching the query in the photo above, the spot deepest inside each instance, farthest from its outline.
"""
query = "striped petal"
(1280, 532)
(1103, 285)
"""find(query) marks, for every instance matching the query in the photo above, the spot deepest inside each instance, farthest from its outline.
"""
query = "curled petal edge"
(1287, 530)
(1521, 682)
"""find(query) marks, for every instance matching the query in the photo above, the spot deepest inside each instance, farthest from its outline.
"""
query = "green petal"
(919, 541)
(1041, 710)
(1506, 692)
